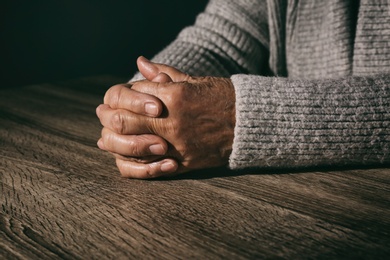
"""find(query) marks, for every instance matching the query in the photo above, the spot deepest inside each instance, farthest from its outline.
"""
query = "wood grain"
(62, 198)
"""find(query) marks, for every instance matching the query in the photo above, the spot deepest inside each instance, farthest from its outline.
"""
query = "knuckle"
(105, 135)
(121, 168)
(188, 78)
(174, 99)
(154, 126)
(113, 94)
(118, 123)
(175, 127)
(138, 85)
(134, 148)
(150, 171)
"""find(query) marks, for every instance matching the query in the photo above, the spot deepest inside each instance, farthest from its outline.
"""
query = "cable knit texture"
(312, 78)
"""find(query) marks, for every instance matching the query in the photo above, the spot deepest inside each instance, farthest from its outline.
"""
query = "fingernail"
(168, 167)
(100, 144)
(157, 149)
(151, 109)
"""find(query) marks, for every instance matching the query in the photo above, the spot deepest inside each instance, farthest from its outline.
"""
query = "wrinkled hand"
(169, 123)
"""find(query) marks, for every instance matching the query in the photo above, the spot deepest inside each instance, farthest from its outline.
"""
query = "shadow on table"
(225, 172)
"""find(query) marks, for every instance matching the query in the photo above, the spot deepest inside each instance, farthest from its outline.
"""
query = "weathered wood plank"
(61, 197)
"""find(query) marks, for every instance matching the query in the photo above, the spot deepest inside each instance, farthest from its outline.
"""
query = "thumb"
(157, 72)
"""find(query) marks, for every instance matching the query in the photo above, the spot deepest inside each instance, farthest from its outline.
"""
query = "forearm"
(293, 123)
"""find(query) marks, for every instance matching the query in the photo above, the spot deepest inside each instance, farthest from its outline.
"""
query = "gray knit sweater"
(312, 77)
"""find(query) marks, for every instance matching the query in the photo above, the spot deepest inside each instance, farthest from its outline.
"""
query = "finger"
(146, 171)
(132, 145)
(144, 159)
(122, 121)
(151, 69)
(121, 96)
(162, 78)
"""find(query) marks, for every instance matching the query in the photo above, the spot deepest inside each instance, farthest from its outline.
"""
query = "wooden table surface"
(62, 197)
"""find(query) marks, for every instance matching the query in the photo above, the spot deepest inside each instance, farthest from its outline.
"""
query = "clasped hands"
(169, 123)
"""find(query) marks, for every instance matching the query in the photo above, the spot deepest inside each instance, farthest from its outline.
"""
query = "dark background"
(49, 40)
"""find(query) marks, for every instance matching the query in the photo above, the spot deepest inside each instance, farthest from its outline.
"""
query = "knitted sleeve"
(285, 122)
(229, 37)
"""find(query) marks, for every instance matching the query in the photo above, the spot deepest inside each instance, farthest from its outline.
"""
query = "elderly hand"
(169, 123)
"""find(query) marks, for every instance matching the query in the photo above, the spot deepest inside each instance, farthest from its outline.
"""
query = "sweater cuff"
(284, 122)
(249, 130)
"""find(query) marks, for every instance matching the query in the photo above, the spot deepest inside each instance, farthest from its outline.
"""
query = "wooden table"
(62, 197)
